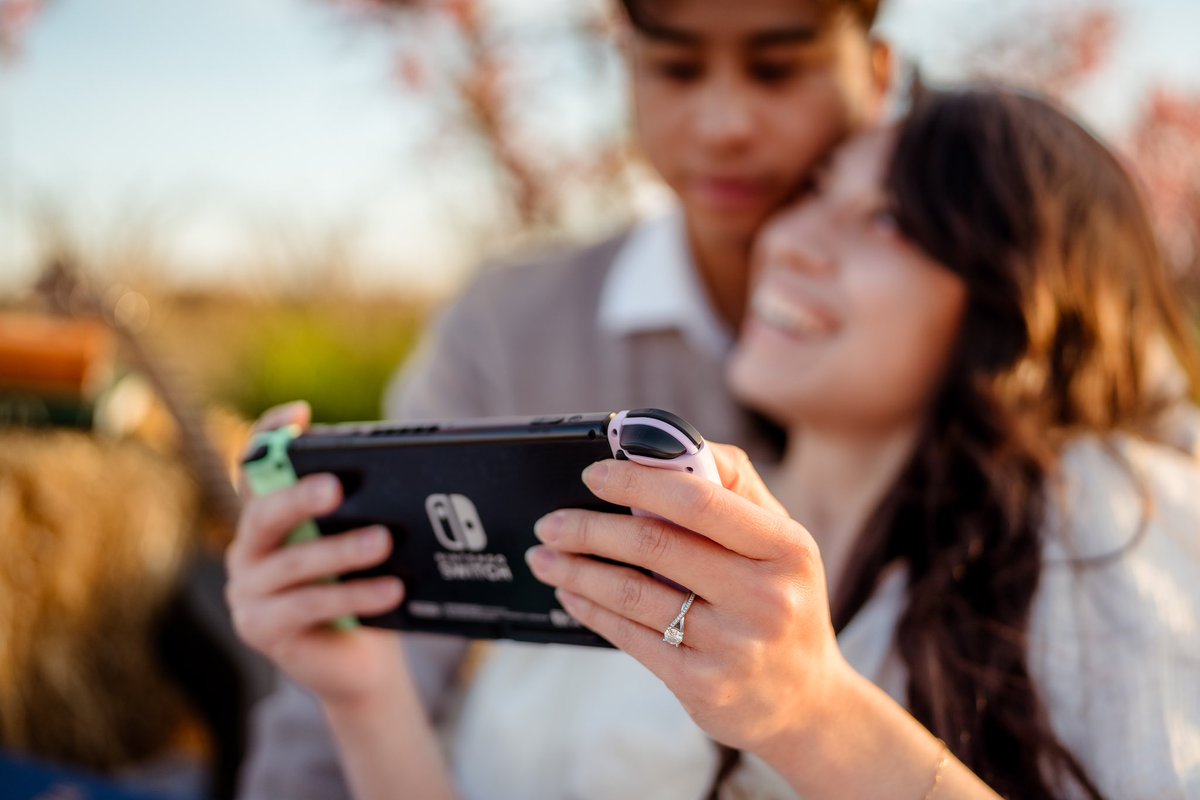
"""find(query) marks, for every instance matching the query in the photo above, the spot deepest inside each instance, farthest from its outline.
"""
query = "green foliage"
(340, 362)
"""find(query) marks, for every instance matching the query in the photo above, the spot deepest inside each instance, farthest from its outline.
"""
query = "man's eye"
(680, 71)
(769, 72)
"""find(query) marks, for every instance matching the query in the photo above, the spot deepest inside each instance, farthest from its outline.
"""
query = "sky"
(221, 134)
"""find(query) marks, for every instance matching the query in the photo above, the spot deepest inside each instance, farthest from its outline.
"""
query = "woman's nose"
(799, 242)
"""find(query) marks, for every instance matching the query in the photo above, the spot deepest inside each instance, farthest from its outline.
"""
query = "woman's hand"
(283, 607)
(759, 656)
(280, 600)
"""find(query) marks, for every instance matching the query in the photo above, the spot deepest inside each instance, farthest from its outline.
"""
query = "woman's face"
(850, 324)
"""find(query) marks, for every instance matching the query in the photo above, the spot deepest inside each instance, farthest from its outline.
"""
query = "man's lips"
(730, 193)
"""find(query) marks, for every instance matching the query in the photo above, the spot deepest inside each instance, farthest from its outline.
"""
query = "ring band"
(673, 635)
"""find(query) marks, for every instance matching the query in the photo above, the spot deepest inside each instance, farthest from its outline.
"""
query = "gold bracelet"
(943, 760)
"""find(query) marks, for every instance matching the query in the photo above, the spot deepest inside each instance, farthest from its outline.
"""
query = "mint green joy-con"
(271, 470)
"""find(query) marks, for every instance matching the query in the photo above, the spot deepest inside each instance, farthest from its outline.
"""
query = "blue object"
(25, 779)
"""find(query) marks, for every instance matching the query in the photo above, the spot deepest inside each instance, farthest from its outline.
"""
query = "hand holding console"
(268, 469)
(460, 500)
(281, 599)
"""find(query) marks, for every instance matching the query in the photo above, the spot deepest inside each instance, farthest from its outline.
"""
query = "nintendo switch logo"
(455, 522)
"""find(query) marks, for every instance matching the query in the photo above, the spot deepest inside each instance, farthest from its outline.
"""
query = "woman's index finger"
(718, 513)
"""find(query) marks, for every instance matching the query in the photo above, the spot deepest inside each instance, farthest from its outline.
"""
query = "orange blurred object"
(54, 356)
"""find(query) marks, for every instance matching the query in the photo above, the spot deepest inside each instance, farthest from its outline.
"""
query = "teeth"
(779, 312)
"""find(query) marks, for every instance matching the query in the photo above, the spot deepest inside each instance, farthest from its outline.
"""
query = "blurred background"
(208, 208)
(232, 160)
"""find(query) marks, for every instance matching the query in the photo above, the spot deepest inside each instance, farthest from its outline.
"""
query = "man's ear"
(623, 33)
(883, 71)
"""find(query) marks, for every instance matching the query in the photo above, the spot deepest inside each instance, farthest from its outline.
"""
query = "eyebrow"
(784, 36)
(777, 37)
(664, 33)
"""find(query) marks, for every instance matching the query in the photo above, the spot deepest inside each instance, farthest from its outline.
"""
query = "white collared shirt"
(654, 284)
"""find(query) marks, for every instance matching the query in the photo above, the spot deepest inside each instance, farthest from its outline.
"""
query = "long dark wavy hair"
(1069, 309)
(1070, 320)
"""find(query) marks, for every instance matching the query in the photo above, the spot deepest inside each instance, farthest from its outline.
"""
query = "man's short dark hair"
(863, 11)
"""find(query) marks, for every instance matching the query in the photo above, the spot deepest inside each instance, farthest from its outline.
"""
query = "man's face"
(736, 102)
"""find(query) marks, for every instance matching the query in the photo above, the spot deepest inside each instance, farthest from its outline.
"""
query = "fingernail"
(549, 527)
(390, 589)
(324, 490)
(565, 599)
(540, 558)
(595, 475)
(374, 540)
(292, 408)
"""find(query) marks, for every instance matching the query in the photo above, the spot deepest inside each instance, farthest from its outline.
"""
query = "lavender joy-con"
(657, 438)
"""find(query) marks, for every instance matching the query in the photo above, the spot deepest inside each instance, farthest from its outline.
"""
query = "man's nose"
(725, 115)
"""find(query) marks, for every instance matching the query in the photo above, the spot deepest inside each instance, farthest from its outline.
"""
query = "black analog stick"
(643, 440)
(675, 421)
(254, 455)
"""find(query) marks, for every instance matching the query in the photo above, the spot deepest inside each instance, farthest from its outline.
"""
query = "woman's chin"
(759, 390)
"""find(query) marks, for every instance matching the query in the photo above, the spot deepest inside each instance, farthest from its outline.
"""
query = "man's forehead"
(754, 23)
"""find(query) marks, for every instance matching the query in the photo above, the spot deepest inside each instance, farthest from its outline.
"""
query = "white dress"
(1114, 650)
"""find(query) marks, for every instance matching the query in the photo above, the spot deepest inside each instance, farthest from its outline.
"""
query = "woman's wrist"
(372, 667)
(861, 743)
(387, 744)
(378, 702)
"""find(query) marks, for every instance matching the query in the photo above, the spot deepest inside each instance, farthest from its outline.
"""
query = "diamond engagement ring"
(673, 635)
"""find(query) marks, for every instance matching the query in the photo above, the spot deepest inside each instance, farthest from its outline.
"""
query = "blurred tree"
(1165, 149)
(1057, 53)
(1054, 52)
(492, 78)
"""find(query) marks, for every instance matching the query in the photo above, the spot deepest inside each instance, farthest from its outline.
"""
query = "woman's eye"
(884, 220)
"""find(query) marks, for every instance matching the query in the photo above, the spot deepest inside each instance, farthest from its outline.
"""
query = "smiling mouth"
(787, 315)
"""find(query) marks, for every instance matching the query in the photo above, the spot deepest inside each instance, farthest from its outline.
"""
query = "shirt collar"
(653, 285)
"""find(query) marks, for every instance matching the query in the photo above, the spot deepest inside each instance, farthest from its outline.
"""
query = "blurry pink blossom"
(410, 71)
(1055, 52)
(15, 18)
(463, 12)
(1164, 147)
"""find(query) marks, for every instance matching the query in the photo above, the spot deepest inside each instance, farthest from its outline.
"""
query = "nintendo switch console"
(461, 499)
